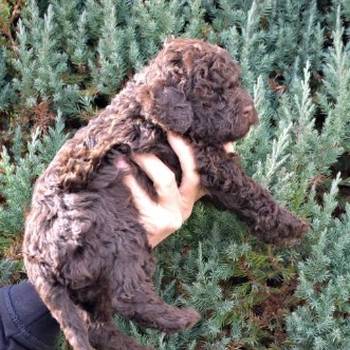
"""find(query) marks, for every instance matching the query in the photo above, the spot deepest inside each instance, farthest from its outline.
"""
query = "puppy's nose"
(250, 113)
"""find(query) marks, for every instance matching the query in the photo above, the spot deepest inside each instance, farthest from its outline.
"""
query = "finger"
(151, 211)
(184, 152)
(190, 185)
(158, 221)
(190, 178)
(141, 198)
(163, 178)
(189, 198)
(229, 147)
(122, 164)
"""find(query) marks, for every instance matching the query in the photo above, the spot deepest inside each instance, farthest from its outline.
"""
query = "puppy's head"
(193, 88)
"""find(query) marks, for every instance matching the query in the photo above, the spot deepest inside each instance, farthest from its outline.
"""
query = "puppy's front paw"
(180, 320)
(283, 228)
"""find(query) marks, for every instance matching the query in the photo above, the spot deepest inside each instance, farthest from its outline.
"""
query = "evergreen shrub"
(61, 61)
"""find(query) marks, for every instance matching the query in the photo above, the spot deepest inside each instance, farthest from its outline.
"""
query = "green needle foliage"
(63, 60)
(18, 172)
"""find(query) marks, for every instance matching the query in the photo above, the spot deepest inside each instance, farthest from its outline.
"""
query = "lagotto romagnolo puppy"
(85, 249)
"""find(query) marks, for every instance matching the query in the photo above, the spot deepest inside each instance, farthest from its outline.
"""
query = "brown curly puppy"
(85, 250)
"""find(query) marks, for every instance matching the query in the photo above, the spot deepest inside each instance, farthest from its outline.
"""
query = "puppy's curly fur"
(85, 249)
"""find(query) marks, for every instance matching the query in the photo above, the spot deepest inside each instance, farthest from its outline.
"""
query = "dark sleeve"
(25, 322)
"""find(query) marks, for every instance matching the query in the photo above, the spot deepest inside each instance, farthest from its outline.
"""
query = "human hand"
(174, 205)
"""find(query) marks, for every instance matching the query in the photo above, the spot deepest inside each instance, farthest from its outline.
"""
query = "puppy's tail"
(72, 319)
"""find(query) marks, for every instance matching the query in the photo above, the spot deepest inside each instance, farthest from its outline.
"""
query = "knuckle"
(192, 177)
(177, 221)
(190, 189)
(168, 180)
(172, 223)
(187, 213)
(195, 181)
(161, 227)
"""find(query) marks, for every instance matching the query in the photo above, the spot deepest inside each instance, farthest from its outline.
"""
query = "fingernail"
(122, 164)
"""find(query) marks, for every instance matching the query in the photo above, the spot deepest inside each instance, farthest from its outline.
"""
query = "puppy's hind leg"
(103, 333)
(135, 297)
(67, 314)
(105, 336)
(149, 310)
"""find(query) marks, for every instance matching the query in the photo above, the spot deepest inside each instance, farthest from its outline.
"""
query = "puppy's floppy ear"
(169, 107)
(172, 109)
